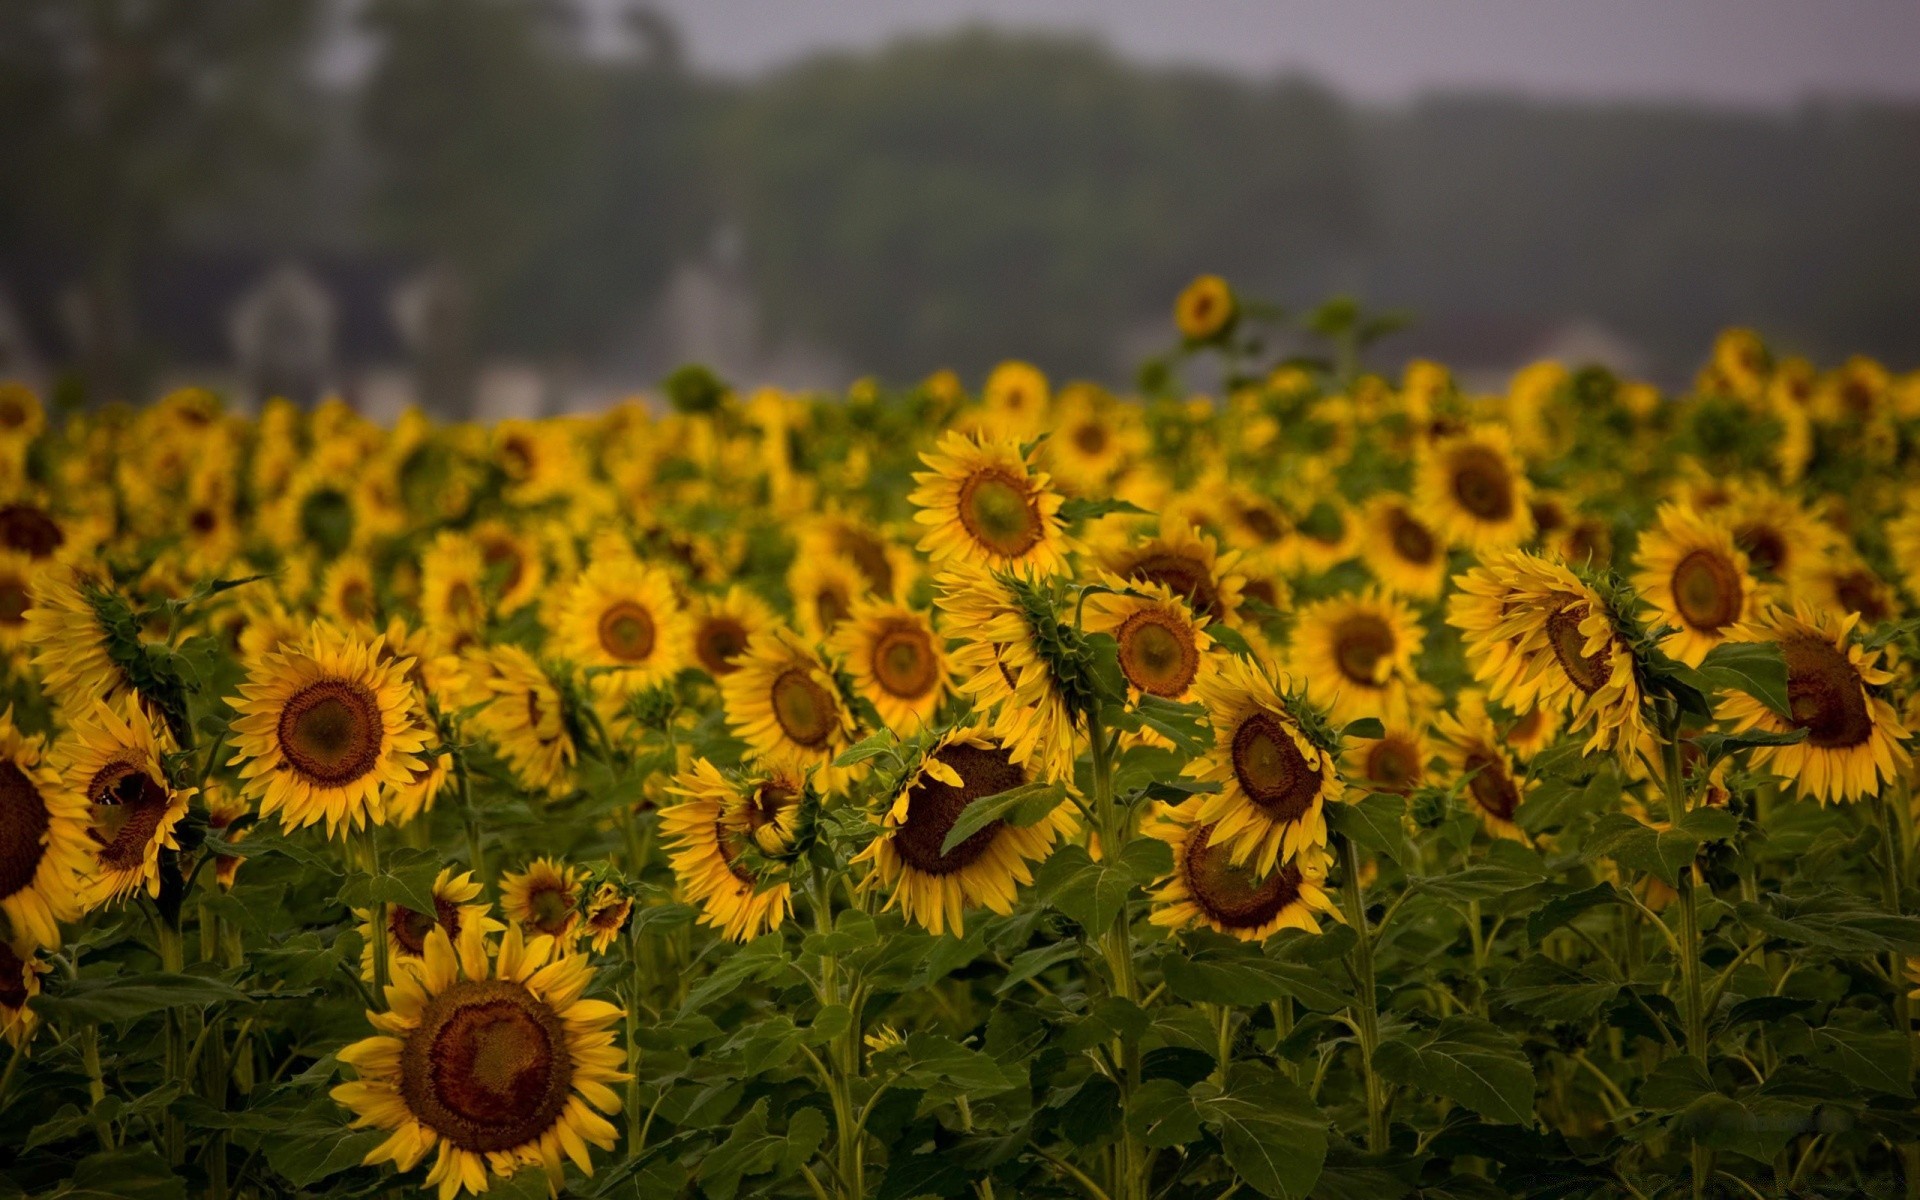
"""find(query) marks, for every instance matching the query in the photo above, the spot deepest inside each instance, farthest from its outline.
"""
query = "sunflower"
(1537, 635)
(984, 506)
(1474, 749)
(320, 511)
(1208, 887)
(782, 700)
(1781, 539)
(1327, 535)
(1696, 579)
(1845, 584)
(824, 587)
(888, 566)
(1256, 524)
(544, 900)
(1527, 733)
(723, 625)
(1205, 310)
(457, 910)
(20, 970)
(896, 661)
(607, 915)
(622, 614)
(537, 458)
(1188, 563)
(17, 575)
(21, 416)
(408, 800)
(1000, 664)
(496, 1064)
(1394, 762)
(113, 761)
(1356, 652)
(932, 887)
(1095, 438)
(225, 807)
(513, 562)
(1163, 646)
(265, 625)
(1404, 552)
(30, 528)
(44, 849)
(1472, 490)
(525, 721)
(453, 584)
(1274, 781)
(322, 727)
(70, 640)
(710, 831)
(346, 592)
(1015, 397)
(1854, 738)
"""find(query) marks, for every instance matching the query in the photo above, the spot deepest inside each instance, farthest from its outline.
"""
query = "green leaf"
(1716, 746)
(125, 1175)
(129, 997)
(1868, 1053)
(1083, 508)
(1183, 724)
(1162, 1114)
(1365, 727)
(1376, 823)
(1831, 921)
(748, 1150)
(1274, 1137)
(1757, 1127)
(1640, 847)
(1553, 991)
(1477, 883)
(1251, 979)
(756, 962)
(1466, 1060)
(1092, 893)
(308, 1154)
(935, 1060)
(1033, 962)
(1025, 805)
(1564, 908)
(872, 746)
(1756, 668)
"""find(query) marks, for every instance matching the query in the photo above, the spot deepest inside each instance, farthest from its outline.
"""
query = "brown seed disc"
(626, 631)
(717, 642)
(497, 550)
(23, 829)
(1090, 437)
(1859, 591)
(1707, 590)
(1589, 672)
(997, 508)
(409, 928)
(805, 710)
(831, 606)
(1271, 770)
(331, 731)
(1360, 642)
(1825, 694)
(933, 807)
(29, 530)
(1393, 765)
(1481, 483)
(1262, 590)
(550, 907)
(903, 663)
(1766, 546)
(1262, 522)
(1492, 786)
(128, 805)
(1157, 653)
(1548, 516)
(488, 1067)
(1412, 541)
(15, 600)
(1182, 575)
(1231, 894)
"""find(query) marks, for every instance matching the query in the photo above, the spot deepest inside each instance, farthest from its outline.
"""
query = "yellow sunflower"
(998, 663)
(1274, 781)
(525, 721)
(889, 567)
(17, 574)
(984, 506)
(896, 661)
(1163, 646)
(513, 562)
(408, 800)
(721, 627)
(1188, 563)
(1355, 653)
(1205, 309)
(607, 914)
(824, 587)
(1327, 535)
(112, 760)
(457, 910)
(70, 642)
(1854, 737)
(1095, 437)
(932, 887)
(453, 584)
(20, 970)
(346, 593)
(622, 613)
(1404, 553)
(1903, 543)
(783, 701)
(537, 457)
(708, 834)
(1207, 887)
(1474, 749)
(544, 900)
(1015, 398)
(1781, 539)
(1394, 762)
(225, 807)
(496, 1065)
(1846, 585)
(1471, 489)
(1531, 731)
(44, 850)
(322, 727)
(1696, 580)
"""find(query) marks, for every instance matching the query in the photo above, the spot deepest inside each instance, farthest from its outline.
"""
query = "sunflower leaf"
(1756, 668)
(1375, 823)
(872, 746)
(1182, 724)
(1086, 508)
(1025, 805)
(1716, 746)
(1466, 1060)
(1365, 727)
(129, 997)
(1273, 1135)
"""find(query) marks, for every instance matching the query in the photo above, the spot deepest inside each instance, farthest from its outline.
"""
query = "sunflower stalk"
(843, 1056)
(381, 967)
(1132, 1165)
(1693, 997)
(1893, 863)
(1367, 1011)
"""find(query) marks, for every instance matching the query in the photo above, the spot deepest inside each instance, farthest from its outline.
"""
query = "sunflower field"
(1345, 787)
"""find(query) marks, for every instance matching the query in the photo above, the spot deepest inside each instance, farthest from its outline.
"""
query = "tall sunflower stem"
(476, 857)
(1132, 1166)
(843, 1058)
(1693, 996)
(635, 983)
(172, 959)
(1367, 1012)
(381, 967)
(1893, 862)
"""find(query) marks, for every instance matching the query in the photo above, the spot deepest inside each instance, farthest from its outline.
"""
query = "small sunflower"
(525, 720)
(346, 593)
(495, 1064)
(408, 800)
(457, 910)
(113, 761)
(1163, 646)
(783, 701)
(1205, 309)
(1000, 664)
(1208, 887)
(20, 970)
(1355, 653)
(1472, 490)
(824, 587)
(1845, 585)
(1404, 553)
(1016, 396)
(1095, 438)
(453, 584)
(44, 850)
(514, 564)
(1474, 749)
(1696, 580)
(1275, 783)
(1395, 762)
(622, 614)
(889, 567)
(896, 661)
(1531, 731)
(722, 626)
(538, 459)
(1187, 563)
(986, 507)
(1854, 738)
(709, 832)
(607, 914)
(544, 900)
(1781, 539)
(1329, 533)
(932, 887)
(322, 727)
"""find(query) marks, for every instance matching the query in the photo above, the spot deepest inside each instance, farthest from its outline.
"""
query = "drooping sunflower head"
(1854, 743)
(896, 661)
(1404, 552)
(824, 588)
(457, 910)
(43, 840)
(71, 642)
(1355, 653)
(322, 727)
(1205, 309)
(1275, 781)
(1475, 750)
(1472, 489)
(623, 614)
(933, 884)
(1189, 564)
(225, 808)
(416, 796)
(721, 627)
(985, 506)
(718, 836)
(1208, 887)
(113, 761)
(1163, 646)
(544, 900)
(607, 914)
(1696, 579)
(783, 701)
(1004, 662)
(488, 1060)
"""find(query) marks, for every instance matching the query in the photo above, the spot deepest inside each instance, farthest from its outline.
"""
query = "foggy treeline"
(943, 202)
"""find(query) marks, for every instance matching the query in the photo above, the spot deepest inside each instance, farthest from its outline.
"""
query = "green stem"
(1133, 1164)
(172, 959)
(381, 967)
(1893, 839)
(1366, 1010)
(476, 857)
(635, 1134)
(1693, 998)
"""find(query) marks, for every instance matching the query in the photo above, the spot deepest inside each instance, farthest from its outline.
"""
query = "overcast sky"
(1742, 52)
